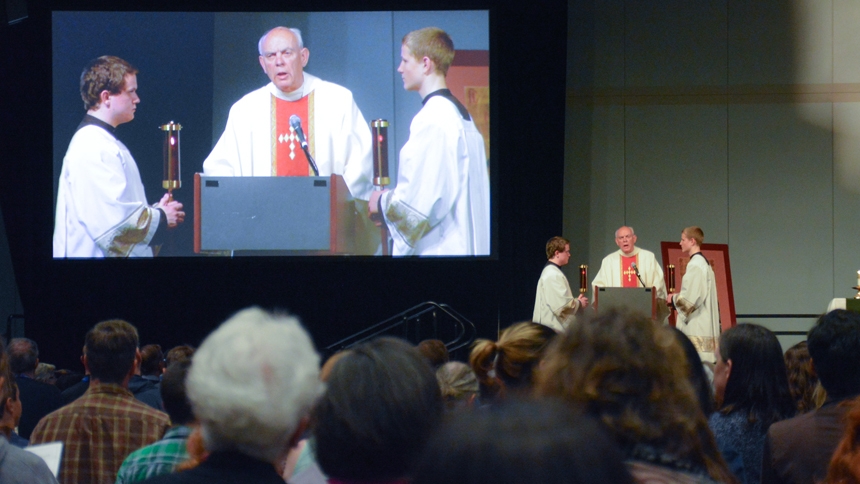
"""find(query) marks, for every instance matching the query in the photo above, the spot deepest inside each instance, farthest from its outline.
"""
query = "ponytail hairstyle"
(509, 365)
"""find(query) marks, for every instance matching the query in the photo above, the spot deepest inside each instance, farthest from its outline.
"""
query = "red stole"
(288, 158)
(628, 275)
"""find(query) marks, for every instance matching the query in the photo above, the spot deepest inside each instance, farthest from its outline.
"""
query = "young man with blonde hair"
(697, 303)
(441, 204)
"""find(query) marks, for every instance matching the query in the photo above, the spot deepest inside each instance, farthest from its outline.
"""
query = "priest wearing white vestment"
(337, 134)
(441, 204)
(697, 303)
(616, 269)
(101, 204)
(555, 305)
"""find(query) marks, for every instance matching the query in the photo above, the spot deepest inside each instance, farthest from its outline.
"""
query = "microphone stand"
(310, 159)
(636, 270)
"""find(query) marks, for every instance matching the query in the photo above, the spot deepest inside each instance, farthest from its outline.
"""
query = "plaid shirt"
(98, 431)
(156, 459)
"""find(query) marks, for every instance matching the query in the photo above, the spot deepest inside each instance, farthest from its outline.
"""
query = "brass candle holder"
(670, 270)
(172, 168)
(381, 179)
(583, 279)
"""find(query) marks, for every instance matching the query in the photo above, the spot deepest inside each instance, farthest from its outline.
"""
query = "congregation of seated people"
(616, 397)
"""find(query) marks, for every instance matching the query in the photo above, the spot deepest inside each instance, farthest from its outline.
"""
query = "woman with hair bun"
(509, 364)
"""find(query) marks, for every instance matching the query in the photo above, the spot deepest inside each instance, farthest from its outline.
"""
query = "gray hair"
(23, 353)
(252, 381)
(457, 382)
(632, 232)
(297, 32)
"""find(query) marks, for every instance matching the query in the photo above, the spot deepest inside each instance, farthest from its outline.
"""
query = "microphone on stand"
(296, 124)
(636, 270)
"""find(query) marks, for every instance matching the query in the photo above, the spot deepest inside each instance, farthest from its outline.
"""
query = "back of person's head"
(458, 384)
(521, 442)
(555, 244)
(433, 43)
(178, 353)
(173, 394)
(696, 373)
(105, 73)
(630, 373)
(434, 351)
(757, 383)
(252, 381)
(23, 355)
(381, 404)
(151, 360)
(332, 360)
(110, 348)
(802, 381)
(834, 344)
(45, 373)
(510, 363)
(845, 463)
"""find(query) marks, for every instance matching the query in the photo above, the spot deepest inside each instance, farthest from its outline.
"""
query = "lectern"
(268, 215)
(640, 299)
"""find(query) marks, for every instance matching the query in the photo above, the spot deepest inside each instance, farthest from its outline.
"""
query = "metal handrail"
(464, 329)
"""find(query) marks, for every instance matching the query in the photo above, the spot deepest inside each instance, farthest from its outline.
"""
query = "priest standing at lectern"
(617, 269)
(259, 141)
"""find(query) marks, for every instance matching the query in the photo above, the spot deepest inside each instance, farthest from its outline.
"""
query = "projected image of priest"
(441, 204)
(101, 204)
(337, 134)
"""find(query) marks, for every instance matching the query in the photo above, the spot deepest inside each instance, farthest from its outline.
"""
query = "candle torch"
(172, 171)
(379, 132)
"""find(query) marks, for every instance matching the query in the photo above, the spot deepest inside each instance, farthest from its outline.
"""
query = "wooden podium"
(273, 215)
(639, 299)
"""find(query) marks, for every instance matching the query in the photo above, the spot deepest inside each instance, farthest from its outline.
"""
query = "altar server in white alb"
(697, 303)
(259, 141)
(617, 268)
(555, 305)
(101, 204)
(441, 204)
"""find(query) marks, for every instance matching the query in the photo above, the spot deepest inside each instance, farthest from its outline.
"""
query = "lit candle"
(172, 178)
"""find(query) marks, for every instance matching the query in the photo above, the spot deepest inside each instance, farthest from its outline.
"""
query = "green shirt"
(156, 459)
